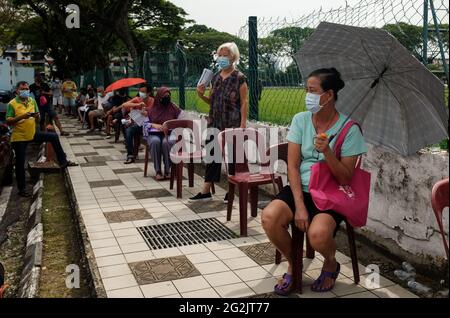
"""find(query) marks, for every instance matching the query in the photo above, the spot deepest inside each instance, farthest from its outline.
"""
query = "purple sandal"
(285, 288)
(316, 286)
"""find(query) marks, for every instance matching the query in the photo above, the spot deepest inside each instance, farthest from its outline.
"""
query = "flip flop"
(316, 286)
(285, 288)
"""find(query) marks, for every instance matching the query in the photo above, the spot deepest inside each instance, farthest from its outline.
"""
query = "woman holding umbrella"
(309, 144)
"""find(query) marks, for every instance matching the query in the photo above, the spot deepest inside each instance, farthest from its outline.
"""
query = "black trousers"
(20, 150)
(214, 169)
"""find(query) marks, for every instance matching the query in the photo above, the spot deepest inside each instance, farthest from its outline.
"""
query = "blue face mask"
(223, 62)
(313, 102)
(24, 93)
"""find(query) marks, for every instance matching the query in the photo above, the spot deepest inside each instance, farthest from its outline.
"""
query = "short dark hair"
(21, 83)
(330, 78)
(149, 89)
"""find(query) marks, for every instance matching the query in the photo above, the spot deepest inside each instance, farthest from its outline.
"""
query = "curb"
(87, 253)
(29, 282)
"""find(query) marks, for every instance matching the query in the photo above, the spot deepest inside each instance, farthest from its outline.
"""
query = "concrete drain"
(178, 234)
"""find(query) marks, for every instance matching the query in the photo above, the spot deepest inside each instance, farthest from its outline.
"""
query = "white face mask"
(313, 102)
(142, 95)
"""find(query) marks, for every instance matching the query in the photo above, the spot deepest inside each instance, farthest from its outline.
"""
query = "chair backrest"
(439, 197)
(439, 201)
(281, 151)
(238, 145)
(185, 123)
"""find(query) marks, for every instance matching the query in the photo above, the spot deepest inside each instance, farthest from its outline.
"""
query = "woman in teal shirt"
(309, 144)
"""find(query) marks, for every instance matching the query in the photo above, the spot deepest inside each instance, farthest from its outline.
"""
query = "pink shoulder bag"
(351, 201)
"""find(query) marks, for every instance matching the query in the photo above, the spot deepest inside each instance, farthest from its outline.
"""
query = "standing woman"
(228, 100)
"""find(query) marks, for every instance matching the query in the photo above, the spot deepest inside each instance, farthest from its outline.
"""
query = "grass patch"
(61, 245)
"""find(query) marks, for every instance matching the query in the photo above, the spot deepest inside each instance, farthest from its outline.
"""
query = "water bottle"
(402, 275)
(418, 287)
(408, 267)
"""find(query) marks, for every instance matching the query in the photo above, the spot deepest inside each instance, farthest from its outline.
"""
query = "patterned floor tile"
(104, 147)
(204, 207)
(99, 158)
(105, 183)
(93, 164)
(127, 170)
(127, 215)
(263, 254)
(80, 144)
(86, 154)
(163, 269)
(147, 194)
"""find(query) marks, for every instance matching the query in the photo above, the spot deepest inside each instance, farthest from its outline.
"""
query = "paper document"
(206, 77)
(137, 117)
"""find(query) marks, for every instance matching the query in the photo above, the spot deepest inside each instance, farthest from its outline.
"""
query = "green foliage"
(200, 43)
(107, 27)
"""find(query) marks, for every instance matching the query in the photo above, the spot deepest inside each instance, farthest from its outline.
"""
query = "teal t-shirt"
(302, 132)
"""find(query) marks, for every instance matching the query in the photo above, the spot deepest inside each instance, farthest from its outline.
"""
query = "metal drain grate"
(185, 233)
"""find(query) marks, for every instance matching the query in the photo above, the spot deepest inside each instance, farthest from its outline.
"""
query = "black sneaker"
(225, 200)
(201, 197)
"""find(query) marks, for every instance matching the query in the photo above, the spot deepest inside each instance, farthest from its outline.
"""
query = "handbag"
(351, 201)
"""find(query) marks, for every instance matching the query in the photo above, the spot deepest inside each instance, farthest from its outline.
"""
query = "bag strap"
(341, 138)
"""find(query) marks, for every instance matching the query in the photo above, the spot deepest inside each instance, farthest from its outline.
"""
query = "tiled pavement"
(115, 199)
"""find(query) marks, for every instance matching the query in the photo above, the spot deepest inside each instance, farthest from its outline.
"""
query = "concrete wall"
(400, 216)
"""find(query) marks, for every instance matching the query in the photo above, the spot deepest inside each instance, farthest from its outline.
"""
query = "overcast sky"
(230, 15)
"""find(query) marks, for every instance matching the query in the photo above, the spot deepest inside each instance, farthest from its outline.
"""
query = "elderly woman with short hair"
(228, 107)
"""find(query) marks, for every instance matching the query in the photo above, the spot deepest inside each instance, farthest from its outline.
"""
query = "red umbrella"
(124, 82)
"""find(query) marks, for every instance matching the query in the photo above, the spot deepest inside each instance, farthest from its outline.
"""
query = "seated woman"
(144, 102)
(162, 111)
(308, 144)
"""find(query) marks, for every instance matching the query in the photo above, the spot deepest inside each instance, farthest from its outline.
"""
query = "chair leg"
(279, 183)
(146, 160)
(254, 201)
(179, 180)
(243, 200)
(231, 188)
(310, 253)
(190, 167)
(213, 189)
(352, 246)
(297, 258)
(173, 172)
(277, 257)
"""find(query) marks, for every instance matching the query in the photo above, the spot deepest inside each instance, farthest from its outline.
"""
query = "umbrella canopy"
(124, 82)
(396, 99)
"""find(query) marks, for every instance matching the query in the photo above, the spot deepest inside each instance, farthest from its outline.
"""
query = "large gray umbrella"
(396, 99)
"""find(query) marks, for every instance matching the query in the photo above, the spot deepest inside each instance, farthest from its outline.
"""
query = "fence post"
(425, 33)
(181, 75)
(440, 41)
(253, 66)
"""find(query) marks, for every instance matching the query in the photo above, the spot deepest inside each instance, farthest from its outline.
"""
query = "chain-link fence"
(421, 26)
(268, 46)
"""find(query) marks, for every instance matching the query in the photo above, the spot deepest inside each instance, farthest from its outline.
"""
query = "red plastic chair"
(183, 157)
(439, 201)
(298, 236)
(242, 178)
(3, 286)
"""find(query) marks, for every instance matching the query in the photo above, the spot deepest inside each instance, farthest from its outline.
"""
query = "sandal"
(159, 177)
(318, 283)
(284, 287)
